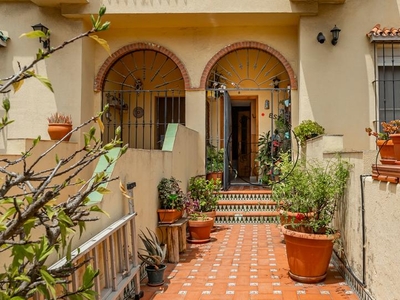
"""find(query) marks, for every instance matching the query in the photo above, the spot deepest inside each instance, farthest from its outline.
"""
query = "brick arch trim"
(101, 74)
(246, 45)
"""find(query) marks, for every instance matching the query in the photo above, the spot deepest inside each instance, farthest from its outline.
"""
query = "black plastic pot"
(155, 276)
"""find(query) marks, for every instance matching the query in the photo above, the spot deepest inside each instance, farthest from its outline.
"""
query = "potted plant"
(267, 156)
(59, 126)
(312, 189)
(205, 194)
(199, 224)
(172, 200)
(215, 163)
(307, 129)
(384, 143)
(154, 257)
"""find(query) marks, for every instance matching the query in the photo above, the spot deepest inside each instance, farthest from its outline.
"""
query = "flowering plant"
(312, 190)
(391, 127)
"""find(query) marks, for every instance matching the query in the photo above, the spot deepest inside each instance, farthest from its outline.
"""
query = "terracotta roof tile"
(379, 34)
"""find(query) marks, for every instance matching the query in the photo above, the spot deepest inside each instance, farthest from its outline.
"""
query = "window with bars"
(387, 81)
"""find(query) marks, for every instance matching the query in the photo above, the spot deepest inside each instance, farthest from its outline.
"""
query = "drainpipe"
(362, 181)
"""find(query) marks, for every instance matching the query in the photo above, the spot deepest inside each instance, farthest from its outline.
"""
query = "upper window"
(387, 81)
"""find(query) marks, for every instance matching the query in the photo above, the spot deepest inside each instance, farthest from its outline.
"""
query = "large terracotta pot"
(386, 151)
(211, 214)
(214, 176)
(58, 130)
(169, 215)
(308, 254)
(200, 230)
(396, 145)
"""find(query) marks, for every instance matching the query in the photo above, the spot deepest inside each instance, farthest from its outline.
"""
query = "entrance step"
(248, 207)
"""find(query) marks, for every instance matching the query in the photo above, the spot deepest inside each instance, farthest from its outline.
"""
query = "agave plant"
(156, 251)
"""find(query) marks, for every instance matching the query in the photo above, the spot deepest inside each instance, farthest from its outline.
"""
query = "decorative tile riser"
(245, 196)
(245, 208)
(245, 219)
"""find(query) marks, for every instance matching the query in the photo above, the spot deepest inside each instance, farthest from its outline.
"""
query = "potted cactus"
(60, 126)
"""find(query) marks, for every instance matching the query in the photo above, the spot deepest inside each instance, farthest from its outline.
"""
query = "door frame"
(254, 127)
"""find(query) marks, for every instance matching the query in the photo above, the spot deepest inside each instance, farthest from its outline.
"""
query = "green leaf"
(45, 81)
(50, 282)
(9, 212)
(82, 226)
(62, 216)
(98, 209)
(103, 190)
(105, 26)
(28, 225)
(23, 277)
(88, 277)
(34, 34)
(93, 20)
(35, 141)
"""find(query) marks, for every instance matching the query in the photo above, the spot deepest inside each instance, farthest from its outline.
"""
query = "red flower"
(300, 216)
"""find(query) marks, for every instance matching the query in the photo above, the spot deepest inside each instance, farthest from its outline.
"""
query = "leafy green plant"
(312, 189)
(156, 251)
(267, 158)
(308, 129)
(170, 194)
(203, 194)
(215, 159)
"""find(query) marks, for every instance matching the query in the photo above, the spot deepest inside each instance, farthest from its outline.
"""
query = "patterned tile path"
(243, 261)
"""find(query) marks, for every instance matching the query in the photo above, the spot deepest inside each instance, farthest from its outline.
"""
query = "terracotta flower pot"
(58, 130)
(211, 214)
(308, 254)
(386, 151)
(200, 230)
(396, 145)
(169, 215)
(214, 176)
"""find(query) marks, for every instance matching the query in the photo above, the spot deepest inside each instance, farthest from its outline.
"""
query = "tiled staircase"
(246, 206)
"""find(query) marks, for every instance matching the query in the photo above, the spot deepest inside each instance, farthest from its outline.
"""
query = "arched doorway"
(248, 95)
(145, 90)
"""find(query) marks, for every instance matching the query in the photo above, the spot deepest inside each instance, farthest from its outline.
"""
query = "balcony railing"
(113, 252)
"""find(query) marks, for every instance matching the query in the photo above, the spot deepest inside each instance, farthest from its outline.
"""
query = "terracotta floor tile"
(243, 261)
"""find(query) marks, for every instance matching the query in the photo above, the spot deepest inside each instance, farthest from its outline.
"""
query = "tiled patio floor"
(243, 261)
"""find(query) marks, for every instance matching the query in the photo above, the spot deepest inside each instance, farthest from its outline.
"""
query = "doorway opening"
(244, 140)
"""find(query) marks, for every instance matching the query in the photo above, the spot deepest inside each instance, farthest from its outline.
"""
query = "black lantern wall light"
(335, 36)
(44, 40)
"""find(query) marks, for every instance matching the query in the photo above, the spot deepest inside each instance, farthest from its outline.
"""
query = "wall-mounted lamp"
(45, 30)
(320, 38)
(335, 35)
(266, 104)
(276, 82)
